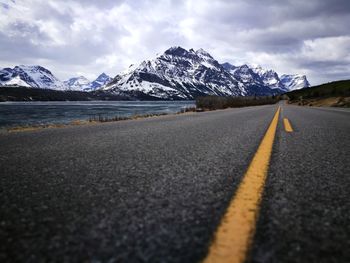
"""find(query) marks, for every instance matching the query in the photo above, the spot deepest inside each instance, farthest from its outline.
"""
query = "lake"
(38, 113)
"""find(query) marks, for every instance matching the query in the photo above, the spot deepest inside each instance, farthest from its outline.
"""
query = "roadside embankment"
(333, 94)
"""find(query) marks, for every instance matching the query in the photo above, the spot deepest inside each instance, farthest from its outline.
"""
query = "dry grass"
(22, 129)
(217, 103)
(93, 120)
(187, 109)
(35, 127)
(323, 102)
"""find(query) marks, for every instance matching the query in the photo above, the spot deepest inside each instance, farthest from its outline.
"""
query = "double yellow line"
(235, 233)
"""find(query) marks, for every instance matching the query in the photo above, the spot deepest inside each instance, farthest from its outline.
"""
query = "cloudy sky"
(88, 37)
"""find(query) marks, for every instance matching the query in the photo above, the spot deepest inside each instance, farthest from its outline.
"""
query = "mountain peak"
(185, 74)
(176, 51)
(102, 78)
(228, 66)
(32, 76)
(102, 75)
(294, 81)
(77, 83)
(244, 66)
(202, 52)
(30, 66)
(33, 68)
(100, 81)
(177, 74)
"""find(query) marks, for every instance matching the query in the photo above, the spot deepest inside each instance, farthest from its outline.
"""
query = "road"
(156, 189)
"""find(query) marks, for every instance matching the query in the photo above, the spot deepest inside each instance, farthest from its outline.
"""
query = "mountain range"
(40, 77)
(176, 74)
(30, 76)
(83, 84)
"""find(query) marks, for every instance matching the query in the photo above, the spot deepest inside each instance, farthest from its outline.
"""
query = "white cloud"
(334, 49)
(89, 37)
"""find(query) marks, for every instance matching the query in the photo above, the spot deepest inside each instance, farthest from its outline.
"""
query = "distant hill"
(336, 93)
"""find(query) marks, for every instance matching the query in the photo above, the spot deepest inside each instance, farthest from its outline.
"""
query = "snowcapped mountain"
(254, 83)
(186, 74)
(83, 84)
(283, 82)
(244, 74)
(255, 74)
(293, 82)
(77, 83)
(40, 77)
(268, 77)
(30, 76)
(16, 81)
(176, 74)
(101, 80)
(181, 74)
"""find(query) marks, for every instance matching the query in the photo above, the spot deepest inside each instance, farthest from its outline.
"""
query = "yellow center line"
(234, 235)
(287, 125)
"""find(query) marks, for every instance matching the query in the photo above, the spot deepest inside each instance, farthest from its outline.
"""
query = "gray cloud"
(87, 37)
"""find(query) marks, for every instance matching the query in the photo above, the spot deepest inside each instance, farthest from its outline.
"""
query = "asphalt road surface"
(155, 190)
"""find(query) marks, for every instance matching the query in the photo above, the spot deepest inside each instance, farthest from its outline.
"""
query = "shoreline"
(91, 121)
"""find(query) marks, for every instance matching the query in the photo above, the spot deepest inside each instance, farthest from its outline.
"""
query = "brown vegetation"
(216, 102)
(323, 102)
(333, 94)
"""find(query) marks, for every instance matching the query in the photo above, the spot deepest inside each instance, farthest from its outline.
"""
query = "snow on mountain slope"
(294, 82)
(83, 84)
(177, 74)
(77, 83)
(268, 77)
(31, 76)
(100, 81)
(254, 74)
(245, 74)
(16, 81)
(256, 79)
(40, 77)
(227, 66)
(6, 76)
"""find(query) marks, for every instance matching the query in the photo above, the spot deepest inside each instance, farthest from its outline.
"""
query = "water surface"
(38, 113)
